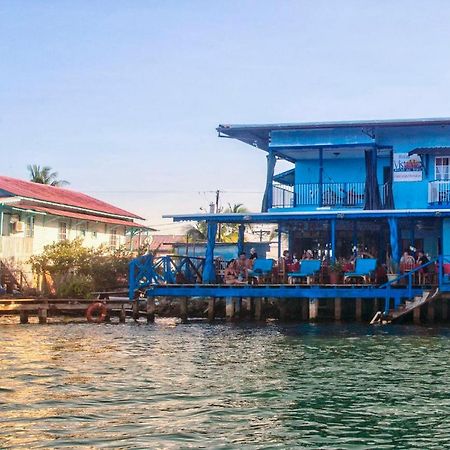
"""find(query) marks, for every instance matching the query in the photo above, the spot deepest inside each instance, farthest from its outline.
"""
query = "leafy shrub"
(78, 286)
(77, 270)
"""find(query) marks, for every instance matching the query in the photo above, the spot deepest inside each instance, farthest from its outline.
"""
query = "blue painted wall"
(407, 195)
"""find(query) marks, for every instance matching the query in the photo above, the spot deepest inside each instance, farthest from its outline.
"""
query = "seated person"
(253, 254)
(237, 270)
(407, 262)
(308, 254)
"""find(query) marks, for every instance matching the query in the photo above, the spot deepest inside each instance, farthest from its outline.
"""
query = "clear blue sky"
(123, 97)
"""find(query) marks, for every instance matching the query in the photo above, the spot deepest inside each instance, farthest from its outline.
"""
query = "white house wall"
(18, 246)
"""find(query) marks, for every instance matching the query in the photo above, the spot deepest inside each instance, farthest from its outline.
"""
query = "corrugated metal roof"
(76, 215)
(337, 124)
(434, 151)
(60, 196)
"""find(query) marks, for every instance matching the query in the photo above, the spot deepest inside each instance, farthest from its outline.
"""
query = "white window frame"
(446, 175)
(113, 238)
(62, 235)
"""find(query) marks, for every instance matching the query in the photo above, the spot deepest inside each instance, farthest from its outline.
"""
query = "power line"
(172, 192)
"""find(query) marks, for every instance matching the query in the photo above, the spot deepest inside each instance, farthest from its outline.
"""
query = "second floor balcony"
(439, 193)
(337, 195)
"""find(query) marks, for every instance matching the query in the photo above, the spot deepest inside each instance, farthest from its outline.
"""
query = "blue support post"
(355, 238)
(393, 227)
(279, 242)
(131, 279)
(209, 273)
(240, 244)
(333, 240)
(320, 176)
(268, 192)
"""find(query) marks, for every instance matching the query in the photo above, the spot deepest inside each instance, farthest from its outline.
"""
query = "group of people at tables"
(237, 270)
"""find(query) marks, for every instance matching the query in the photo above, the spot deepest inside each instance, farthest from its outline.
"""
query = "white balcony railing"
(439, 192)
(315, 194)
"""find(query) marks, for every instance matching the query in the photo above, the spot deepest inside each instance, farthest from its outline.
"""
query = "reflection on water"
(224, 386)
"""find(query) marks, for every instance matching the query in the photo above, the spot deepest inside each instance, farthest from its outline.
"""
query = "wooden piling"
(430, 312)
(338, 309)
(358, 309)
(375, 306)
(258, 309)
(416, 315)
(136, 309)
(23, 316)
(305, 309)
(229, 308)
(184, 309)
(211, 309)
(313, 309)
(122, 315)
(237, 303)
(283, 308)
(150, 309)
(444, 309)
(42, 315)
(250, 306)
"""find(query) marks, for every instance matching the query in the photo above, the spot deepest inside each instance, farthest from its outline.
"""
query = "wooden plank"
(55, 307)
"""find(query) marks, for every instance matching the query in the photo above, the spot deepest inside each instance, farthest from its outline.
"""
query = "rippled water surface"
(224, 386)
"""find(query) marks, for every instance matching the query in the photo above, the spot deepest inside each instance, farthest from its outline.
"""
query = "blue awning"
(322, 214)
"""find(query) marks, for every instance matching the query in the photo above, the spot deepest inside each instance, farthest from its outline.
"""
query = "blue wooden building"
(383, 186)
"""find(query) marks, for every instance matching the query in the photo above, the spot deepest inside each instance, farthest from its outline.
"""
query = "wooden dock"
(43, 308)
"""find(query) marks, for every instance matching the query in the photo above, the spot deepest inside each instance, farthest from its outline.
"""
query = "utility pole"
(217, 201)
(217, 212)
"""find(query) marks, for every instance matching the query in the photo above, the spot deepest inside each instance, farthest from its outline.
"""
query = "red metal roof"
(76, 215)
(61, 196)
(164, 242)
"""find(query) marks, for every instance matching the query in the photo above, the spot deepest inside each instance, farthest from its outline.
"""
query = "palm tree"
(197, 232)
(44, 175)
(236, 208)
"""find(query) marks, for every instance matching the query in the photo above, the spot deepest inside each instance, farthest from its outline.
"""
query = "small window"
(113, 239)
(29, 227)
(81, 232)
(442, 168)
(62, 233)
(94, 234)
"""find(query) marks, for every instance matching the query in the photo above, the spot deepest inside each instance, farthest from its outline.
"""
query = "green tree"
(44, 175)
(76, 270)
(227, 232)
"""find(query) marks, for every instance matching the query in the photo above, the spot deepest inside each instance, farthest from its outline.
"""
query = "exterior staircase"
(407, 307)
(12, 278)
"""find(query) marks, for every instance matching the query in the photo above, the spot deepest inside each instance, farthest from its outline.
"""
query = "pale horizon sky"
(123, 98)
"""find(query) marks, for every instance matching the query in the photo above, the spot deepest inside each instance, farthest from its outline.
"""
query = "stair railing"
(409, 276)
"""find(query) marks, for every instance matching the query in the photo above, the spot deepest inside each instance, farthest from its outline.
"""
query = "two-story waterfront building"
(381, 185)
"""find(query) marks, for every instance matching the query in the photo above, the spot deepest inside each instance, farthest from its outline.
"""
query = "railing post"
(320, 176)
(410, 284)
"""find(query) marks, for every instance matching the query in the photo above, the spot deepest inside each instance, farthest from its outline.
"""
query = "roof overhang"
(287, 178)
(277, 217)
(42, 210)
(260, 136)
(433, 151)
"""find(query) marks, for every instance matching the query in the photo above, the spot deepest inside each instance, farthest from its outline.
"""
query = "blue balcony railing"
(342, 194)
(439, 193)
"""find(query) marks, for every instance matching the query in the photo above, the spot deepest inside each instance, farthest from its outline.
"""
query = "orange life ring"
(96, 313)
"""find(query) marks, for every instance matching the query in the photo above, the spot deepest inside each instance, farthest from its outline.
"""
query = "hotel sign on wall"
(407, 167)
